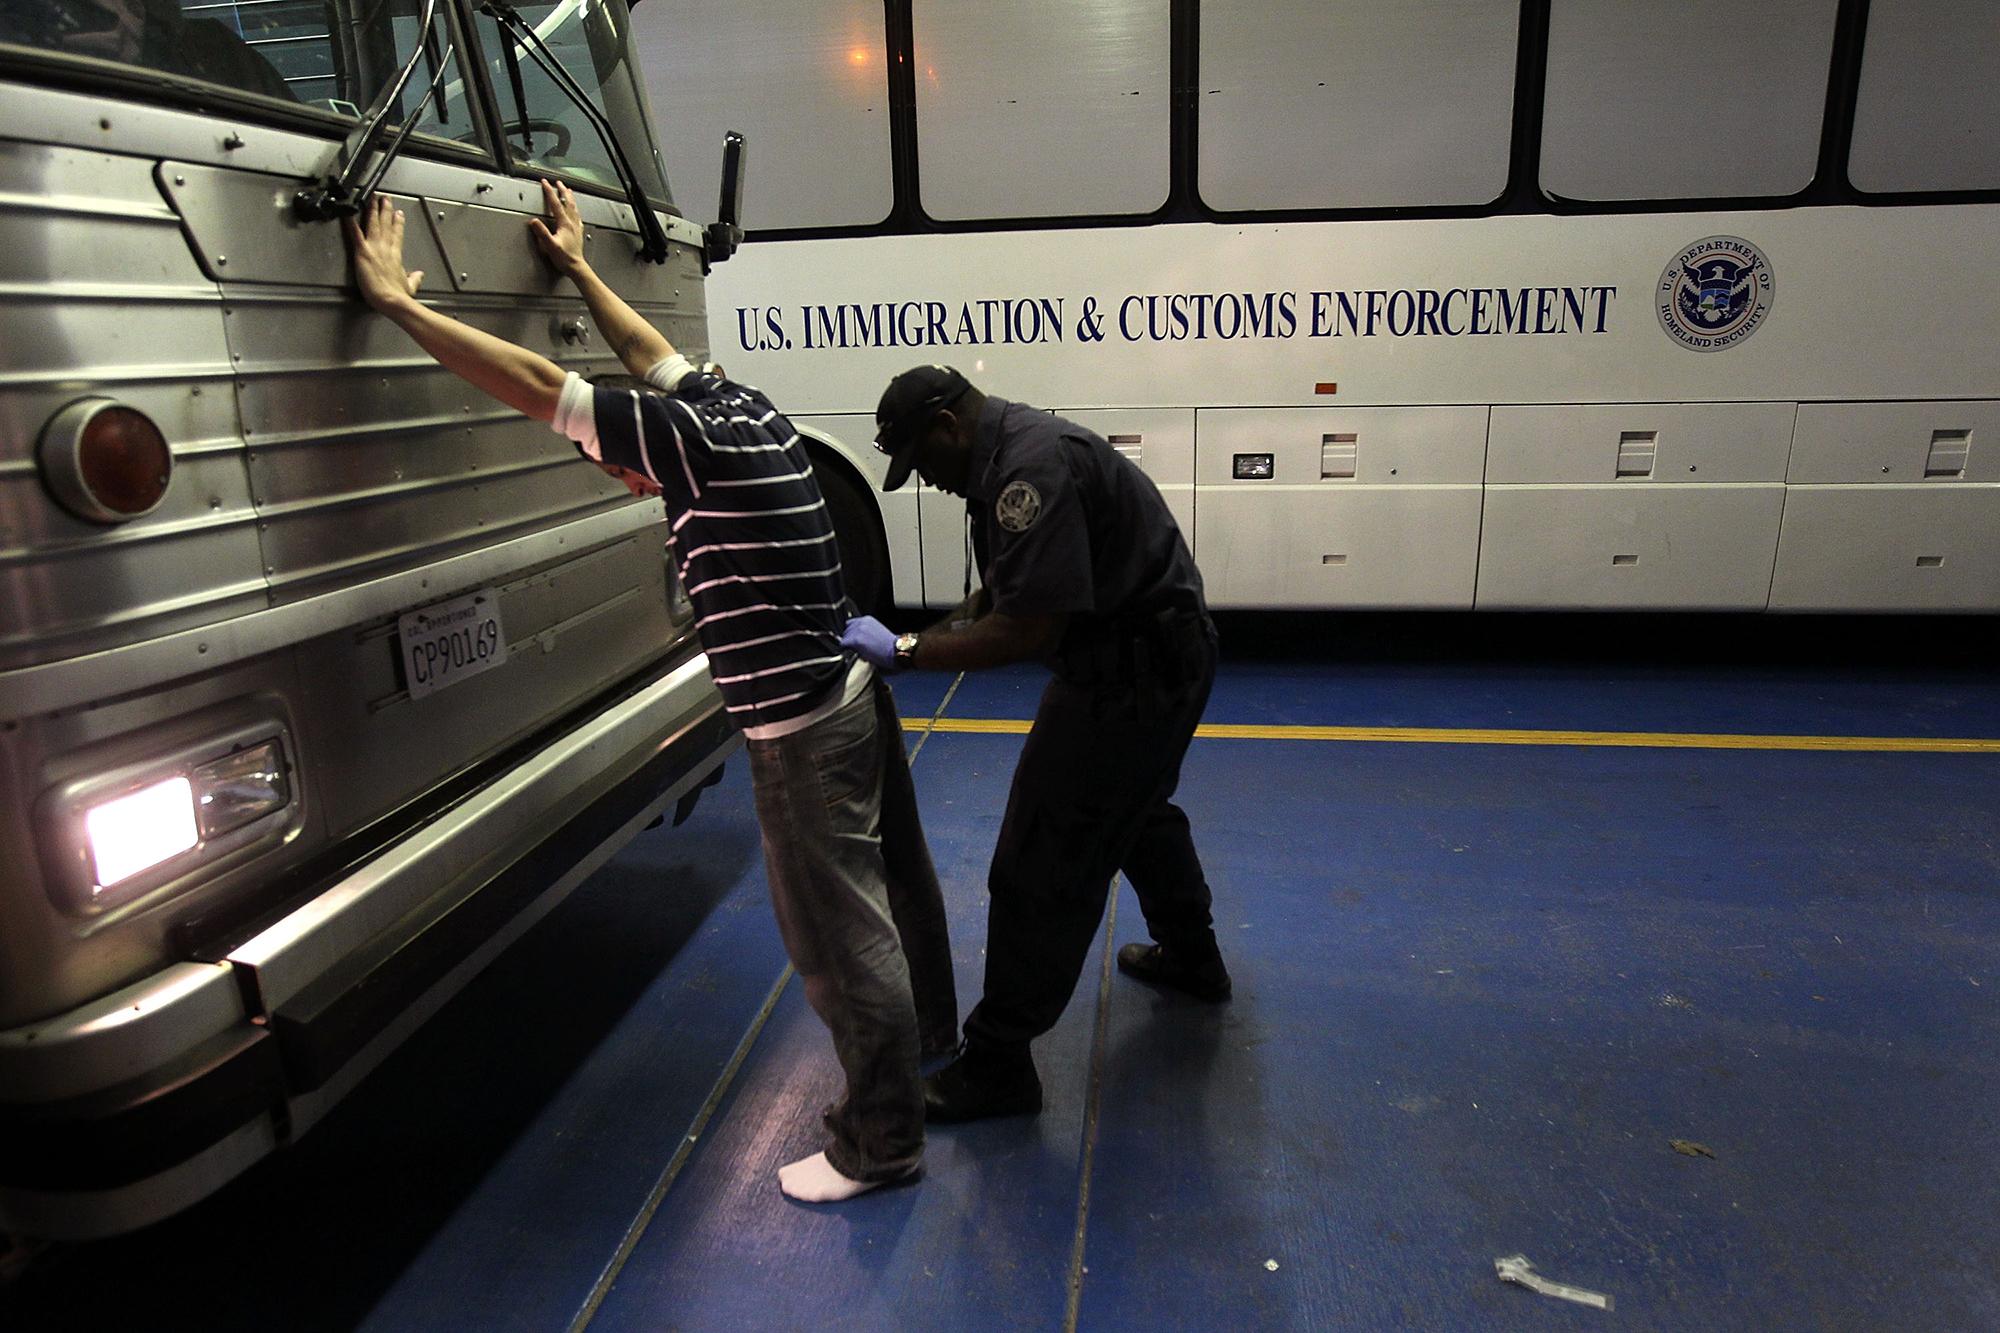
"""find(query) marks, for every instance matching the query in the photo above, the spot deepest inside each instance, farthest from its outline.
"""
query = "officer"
(1083, 568)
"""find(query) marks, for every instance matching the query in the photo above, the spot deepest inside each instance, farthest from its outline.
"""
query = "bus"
(322, 676)
(1439, 304)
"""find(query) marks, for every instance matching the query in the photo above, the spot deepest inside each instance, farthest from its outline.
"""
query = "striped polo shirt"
(750, 533)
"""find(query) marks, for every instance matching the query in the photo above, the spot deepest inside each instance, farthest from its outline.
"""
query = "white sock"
(814, 1180)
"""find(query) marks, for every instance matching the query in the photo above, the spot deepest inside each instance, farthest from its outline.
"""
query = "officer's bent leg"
(1162, 865)
(1095, 767)
(1051, 871)
(1166, 875)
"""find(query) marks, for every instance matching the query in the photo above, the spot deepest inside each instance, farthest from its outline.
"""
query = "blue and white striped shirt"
(750, 532)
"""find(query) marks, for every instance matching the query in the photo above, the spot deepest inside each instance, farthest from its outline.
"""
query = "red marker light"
(105, 462)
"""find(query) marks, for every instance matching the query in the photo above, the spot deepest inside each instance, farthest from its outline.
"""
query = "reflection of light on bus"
(1537, 407)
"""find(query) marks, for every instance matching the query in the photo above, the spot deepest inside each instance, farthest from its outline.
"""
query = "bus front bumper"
(126, 1110)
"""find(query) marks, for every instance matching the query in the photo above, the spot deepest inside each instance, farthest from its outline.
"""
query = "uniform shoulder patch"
(1019, 505)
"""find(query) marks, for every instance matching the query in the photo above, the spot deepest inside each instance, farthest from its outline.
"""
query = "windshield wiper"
(336, 195)
(654, 236)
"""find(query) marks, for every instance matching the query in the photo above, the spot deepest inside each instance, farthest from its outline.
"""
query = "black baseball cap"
(908, 405)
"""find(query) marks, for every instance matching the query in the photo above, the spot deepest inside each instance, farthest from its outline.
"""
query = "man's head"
(926, 422)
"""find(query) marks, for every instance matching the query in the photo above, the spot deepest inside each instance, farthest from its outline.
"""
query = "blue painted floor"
(1480, 993)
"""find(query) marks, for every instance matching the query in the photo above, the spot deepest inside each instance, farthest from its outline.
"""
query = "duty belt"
(1171, 646)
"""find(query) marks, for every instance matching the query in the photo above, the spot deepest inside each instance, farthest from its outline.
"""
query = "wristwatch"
(906, 651)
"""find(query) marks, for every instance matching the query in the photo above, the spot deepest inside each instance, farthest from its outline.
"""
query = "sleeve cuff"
(576, 416)
(667, 374)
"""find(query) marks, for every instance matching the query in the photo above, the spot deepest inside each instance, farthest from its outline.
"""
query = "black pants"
(1092, 795)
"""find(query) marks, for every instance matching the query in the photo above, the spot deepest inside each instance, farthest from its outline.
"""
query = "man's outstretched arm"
(638, 344)
(524, 380)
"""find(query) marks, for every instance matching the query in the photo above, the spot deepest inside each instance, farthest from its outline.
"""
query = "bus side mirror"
(726, 232)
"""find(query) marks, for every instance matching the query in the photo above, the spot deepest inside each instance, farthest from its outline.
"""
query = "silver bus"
(322, 676)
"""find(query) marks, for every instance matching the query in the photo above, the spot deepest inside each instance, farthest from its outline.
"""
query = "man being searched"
(1084, 568)
(852, 884)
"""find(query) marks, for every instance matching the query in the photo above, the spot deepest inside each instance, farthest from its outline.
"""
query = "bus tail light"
(105, 462)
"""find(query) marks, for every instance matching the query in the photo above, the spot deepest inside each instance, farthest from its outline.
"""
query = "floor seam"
(1093, 1104)
(930, 728)
(637, 1230)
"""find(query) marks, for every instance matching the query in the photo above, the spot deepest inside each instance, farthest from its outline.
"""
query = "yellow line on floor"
(1657, 740)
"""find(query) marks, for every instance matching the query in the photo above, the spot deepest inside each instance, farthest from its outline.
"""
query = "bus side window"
(1031, 110)
(1356, 106)
(1925, 117)
(807, 84)
(1693, 99)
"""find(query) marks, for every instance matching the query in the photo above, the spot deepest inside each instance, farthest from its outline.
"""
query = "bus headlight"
(136, 832)
(240, 789)
(170, 821)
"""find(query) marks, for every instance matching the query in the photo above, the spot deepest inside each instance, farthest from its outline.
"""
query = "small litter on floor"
(1689, 1148)
(1270, 1265)
(1515, 1268)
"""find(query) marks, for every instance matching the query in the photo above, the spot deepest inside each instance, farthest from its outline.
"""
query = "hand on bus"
(561, 237)
(375, 239)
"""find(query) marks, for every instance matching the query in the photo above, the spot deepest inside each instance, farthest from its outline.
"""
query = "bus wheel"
(864, 556)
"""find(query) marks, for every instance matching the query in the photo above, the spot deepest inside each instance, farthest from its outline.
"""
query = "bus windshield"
(335, 55)
(543, 127)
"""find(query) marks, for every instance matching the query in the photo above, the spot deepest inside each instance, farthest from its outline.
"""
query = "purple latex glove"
(872, 641)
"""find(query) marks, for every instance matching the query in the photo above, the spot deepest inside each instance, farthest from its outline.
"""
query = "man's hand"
(638, 344)
(526, 381)
(561, 237)
(871, 641)
(375, 239)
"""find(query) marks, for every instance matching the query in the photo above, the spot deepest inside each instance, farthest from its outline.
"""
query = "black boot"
(1203, 977)
(981, 1083)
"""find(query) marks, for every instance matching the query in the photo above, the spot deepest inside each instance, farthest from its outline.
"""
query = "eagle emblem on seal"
(1019, 505)
(1715, 293)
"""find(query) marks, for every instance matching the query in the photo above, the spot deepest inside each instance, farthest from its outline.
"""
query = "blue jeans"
(862, 917)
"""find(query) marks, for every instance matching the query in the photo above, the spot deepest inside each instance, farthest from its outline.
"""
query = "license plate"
(445, 643)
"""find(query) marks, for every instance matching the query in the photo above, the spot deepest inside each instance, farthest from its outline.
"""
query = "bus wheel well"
(857, 523)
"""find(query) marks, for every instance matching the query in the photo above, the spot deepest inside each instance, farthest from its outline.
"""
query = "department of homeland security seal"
(1018, 507)
(1715, 293)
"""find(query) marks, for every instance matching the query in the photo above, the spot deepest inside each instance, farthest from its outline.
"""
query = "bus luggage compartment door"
(1339, 507)
(1892, 507)
(1633, 505)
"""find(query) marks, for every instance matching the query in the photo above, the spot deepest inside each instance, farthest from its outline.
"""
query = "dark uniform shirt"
(1063, 524)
